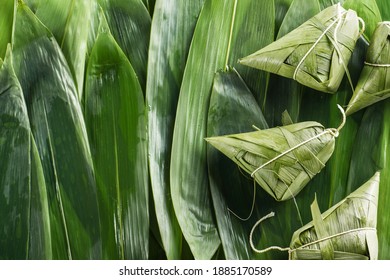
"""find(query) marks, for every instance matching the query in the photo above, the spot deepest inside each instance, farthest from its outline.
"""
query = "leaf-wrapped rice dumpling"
(374, 81)
(283, 159)
(315, 54)
(345, 231)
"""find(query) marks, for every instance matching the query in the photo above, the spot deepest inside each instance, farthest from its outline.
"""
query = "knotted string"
(333, 131)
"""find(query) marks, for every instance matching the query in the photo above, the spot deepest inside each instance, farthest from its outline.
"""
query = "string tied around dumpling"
(291, 250)
(332, 131)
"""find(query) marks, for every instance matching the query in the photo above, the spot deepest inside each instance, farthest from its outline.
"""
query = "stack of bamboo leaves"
(111, 112)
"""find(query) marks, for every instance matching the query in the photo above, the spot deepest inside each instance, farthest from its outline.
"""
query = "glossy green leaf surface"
(233, 109)
(370, 154)
(384, 8)
(24, 216)
(368, 11)
(283, 93)
(130, 22)
(212, 48)
(172, 29)
(14, 179)
(7, 12)
(69, 21)
(115, 118)
(58, 127)
(40, 246)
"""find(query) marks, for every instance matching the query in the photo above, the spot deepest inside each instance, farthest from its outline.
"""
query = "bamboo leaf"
(15, 179)
(327, 3)
(171, 34)
(281, 8)
(24, 213)
(368, 10)
(32, 4)
(130, 22)
(232, 109)
(40, 246)
(370, 153)
(69, 22)
(297, 14)
(189, 182)
(149, 4)
(248, 35)
(326, 247)
(114, 113)
(7, 12)
(59, 130)
(283, 93)
(212, 49)
(384, 8)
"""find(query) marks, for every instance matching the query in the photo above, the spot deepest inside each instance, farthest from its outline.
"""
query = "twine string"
(376, 64)
(252, 207)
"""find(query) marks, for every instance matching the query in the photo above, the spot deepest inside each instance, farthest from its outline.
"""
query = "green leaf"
(298, 12)
(7, 12)
(114, 113)
(281, 8)
(40, 246)
(214, 46)
(384, 7)
(32, 4)
(283, 93)
(24, 216)
(249, 33)
(232, 109)
(15, 178)
(326, 247)
(69, 21)
(371, 154)
(130, 22)
(368, 10)
(326, 3)
(58, 127)
(171, 34)
(150, 4)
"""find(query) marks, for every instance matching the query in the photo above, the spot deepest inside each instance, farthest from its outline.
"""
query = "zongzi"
(345, 231)
(316, 53)
(283, 159)
(374, 81)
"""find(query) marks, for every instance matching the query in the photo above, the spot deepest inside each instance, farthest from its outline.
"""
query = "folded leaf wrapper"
(374, 81)
(316, 53)
(284, 177)
(345, 231)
